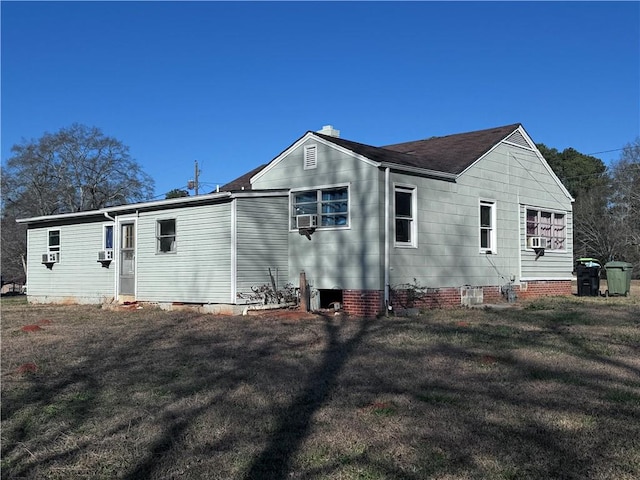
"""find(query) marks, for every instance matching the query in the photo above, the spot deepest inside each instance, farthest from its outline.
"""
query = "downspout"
(386, 237)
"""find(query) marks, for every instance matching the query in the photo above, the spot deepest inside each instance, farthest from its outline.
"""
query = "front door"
(127, 259)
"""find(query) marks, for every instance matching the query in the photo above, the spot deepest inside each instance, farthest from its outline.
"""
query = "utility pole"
(196, 177)
(193, 184)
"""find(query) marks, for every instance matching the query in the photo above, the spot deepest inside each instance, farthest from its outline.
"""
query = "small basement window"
(329, 297)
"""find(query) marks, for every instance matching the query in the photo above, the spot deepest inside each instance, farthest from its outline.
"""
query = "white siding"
(261, 238)
(448, 253)
(552, 264)
(200, 269)
(79, 277)
(342, 258)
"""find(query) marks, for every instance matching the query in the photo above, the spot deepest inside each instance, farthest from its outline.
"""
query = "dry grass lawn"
(550, 390)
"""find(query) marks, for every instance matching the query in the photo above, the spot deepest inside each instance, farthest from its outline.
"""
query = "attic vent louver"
(518, 139)
(310, 157)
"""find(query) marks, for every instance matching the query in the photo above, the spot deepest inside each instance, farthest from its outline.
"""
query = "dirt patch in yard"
(31, 328)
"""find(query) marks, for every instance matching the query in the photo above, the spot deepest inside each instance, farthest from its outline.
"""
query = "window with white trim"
(166, 236)
(53, 241)
(404, 207)
(487, 226)
(107, 237)
(331, 205)
(310, 157)
(548, 225)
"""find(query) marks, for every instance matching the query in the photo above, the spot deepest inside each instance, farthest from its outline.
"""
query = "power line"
(607, 151)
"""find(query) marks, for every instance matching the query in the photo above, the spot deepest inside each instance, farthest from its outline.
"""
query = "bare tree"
(625, 201)
(13, 248)
(75, 169)
(593, 223)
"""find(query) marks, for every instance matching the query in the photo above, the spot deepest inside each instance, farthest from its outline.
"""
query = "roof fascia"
(261, 193)
(299, 143)
(280, 157)
(534, 149)
(451, 177)
(347, 151)
(172, 202)
(60, 216)
(488, 152)
(545, 163)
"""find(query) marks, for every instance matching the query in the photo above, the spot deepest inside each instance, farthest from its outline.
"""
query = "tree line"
(606, 212)
(80, 168)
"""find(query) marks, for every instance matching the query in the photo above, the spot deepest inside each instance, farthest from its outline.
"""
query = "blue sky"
(231, 85)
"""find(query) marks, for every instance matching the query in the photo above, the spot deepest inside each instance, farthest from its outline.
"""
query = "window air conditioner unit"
(306, 221)
(51, 257)
(537, 242)
(105, 255)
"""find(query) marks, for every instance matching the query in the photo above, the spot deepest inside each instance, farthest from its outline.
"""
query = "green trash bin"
(618, 278)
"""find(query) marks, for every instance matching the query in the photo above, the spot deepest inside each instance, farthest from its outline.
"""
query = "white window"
(107, 237)
(310, 157)
(547, 225)
(331, 205)
(53, 241)
(404, 213)
(127, 242)
(487, 226)
(166, 236)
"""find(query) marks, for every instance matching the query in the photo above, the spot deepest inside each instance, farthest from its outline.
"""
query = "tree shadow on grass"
(295, 419)
(214, 398)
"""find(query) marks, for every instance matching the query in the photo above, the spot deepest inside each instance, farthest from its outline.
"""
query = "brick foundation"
(363, 303)
(370, 303)
(544, 288)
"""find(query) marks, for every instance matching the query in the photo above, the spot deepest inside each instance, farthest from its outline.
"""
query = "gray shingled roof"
(449, 154)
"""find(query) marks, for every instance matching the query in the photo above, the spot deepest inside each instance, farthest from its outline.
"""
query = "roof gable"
(452, 153)
(325, 139)
(445, 157)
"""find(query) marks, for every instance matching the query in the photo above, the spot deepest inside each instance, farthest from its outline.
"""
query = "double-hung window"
(549, 226)
(166, 236)
(404, 214)
(53, 242)
(52, 254)
(487, 226)
(107, 239)
(330, 206)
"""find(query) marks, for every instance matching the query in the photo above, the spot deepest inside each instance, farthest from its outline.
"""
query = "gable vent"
(310, 157)
(518, 139)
